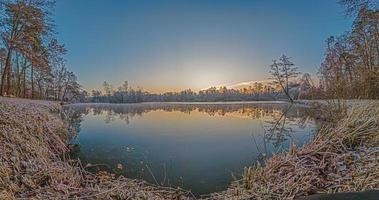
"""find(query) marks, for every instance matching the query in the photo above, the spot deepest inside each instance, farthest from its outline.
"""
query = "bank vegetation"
(343, 157)
(34, 161)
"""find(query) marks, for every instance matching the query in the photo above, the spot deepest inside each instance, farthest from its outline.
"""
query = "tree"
(25, 25)
(352, 7)
(351, 65)
(125, 87)
(306, 86)
(96, 96)
(282, 72)
(2, 60)
(123, 91)
(108, 88)
(31, 58)
(71, 87)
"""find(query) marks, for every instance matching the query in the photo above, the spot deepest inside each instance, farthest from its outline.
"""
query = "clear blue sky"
(170, 45)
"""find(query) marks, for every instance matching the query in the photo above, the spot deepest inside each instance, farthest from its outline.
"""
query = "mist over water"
(196, 146)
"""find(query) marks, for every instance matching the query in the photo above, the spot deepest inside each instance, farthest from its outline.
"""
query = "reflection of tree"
(278, 119)
(74, 117)
(262, 154)
(279, 128)
(109, 116)
(127, 112)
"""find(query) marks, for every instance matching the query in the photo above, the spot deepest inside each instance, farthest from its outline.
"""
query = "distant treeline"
(125, 94)
(350, 70)
(32, 64)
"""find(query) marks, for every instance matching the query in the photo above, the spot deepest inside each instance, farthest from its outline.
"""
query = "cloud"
(244, 84)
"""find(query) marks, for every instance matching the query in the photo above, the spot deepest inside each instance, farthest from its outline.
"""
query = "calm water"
(194, 146)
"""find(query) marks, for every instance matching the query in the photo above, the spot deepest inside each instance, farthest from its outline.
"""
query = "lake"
(200, 147)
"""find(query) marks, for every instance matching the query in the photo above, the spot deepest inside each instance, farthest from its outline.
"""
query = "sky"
(169, 45)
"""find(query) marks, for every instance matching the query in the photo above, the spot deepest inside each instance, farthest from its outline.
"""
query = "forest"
(351, 65)
(125, 94)
(33, 65)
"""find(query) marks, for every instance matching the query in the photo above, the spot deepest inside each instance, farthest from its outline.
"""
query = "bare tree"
(25, 24)
(283, 72)
(352, 7)
(351, 65)
(307, 86)
(31, 58)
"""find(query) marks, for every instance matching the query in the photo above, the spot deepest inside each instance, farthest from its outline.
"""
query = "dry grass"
(344, 156)
(33, 164)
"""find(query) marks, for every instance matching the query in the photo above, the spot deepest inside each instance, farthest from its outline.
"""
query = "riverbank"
(346, 102)
(34, 165)
(33, 162)
(343, 157)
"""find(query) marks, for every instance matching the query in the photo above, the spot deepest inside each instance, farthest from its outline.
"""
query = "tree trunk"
(6, 73)
(40, 88)
(9, 76)
(18, 78)
(31, 78)
(24, 81)
(1, 72)
(64, 94)
(2, 81)
(47, 91)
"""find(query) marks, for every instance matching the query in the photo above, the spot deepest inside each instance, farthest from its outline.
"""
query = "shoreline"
(34, 162)
(306, 103)
(46, 173)
(342, 158)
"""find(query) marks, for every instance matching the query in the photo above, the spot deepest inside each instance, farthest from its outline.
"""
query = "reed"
(33, 165)
(343, 157)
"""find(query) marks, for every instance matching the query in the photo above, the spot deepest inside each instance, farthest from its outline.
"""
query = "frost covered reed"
(344, 156)
(33, 164)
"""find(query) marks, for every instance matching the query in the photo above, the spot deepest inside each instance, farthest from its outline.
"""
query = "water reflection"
(196, 146)
(127, 111)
